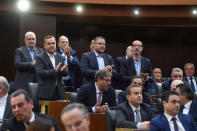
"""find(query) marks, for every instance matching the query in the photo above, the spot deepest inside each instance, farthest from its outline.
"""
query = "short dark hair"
(47, 37)
(101, 74)
(138, 77)
(167, 94)
(79, 106)
(128, 89)
(21, 91)
(40, 125)
(186, 90)
(98, 37)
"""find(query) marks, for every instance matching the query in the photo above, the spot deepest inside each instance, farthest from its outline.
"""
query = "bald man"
(5, 108)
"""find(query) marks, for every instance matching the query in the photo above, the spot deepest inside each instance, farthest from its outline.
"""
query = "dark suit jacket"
(48, 78)
(8, 110)
(160, 123)
(72, 65)
(125, 115)
(89, 65)
(25, 72)
(127, 69)
(185, 79)
(87, 96)
(117, 83)
(14, 125)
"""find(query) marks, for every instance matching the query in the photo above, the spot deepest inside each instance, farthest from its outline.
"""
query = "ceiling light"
(194, 12)
(79, 8)
(136, 11)
(23, 5)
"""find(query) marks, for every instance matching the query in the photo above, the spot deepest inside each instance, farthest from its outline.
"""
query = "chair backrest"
(73, 97)
(111, 119)
(159, 90)
(117, 92)
(33, 87)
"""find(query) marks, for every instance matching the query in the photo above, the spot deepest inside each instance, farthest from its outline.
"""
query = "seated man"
(146, 97)
(189, 105)
(22, 106)
(73, 114)
(98, 96)
(133, 113)
(171, 119)
(5, 107)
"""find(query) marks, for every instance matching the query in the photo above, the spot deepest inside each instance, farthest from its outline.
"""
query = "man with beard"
(50, 68)
(171, 119)
(98, 95)
(96, 60)
(136, 65)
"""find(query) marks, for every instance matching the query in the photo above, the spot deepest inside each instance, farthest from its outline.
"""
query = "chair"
(33, 87)
(117, 92)
(111, 119)
(73, 97)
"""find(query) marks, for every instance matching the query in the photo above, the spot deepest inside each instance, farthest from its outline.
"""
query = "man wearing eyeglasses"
(98, 96)
(136, 65)
(75, 117)
(24, 61)
(96, 60)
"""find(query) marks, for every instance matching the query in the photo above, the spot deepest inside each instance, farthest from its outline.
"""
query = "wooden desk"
(53, 108)
(124, 129)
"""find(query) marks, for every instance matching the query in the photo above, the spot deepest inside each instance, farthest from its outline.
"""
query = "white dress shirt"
(52, 58)
(187, 107)
(179, 124)
(3, 101)
(194, 81)
(31, 120)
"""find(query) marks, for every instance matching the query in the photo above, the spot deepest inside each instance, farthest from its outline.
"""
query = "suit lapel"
(105, 59)
(130, 112)
(165, 123)
(94, 60)
(132, 65)
(7, 108)
(48, 59)
(26, 52)
(142, 64)
(93, 92)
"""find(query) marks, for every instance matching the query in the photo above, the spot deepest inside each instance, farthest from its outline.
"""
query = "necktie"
(192, 84)
(181, 109)
(99, 100)
(137, 119)
(175, 124)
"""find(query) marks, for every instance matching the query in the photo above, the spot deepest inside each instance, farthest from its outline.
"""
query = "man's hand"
(109, 67)
(145, 124)
(33, 62)
(67, 50)
(101, 109)
(58, 67)
(63, 68)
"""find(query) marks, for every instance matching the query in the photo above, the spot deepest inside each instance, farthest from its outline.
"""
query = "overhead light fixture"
(79, 8)
(136, 11)
(23, 5)
(194, 12)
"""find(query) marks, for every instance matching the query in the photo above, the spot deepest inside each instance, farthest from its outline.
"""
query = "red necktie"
(99, 100)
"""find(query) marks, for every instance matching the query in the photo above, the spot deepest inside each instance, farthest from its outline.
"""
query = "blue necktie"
(175, 124)
(192, 84)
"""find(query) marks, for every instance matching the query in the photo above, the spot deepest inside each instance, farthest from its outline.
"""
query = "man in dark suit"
(189, 70)
(116, 82)
(171, 119)
(71, 59)
(98, 96)
(96, 60)
(50, 68)
(24, 61)
(133, 113)
(146, 97)
(22, 106)
(189, 105)
(5, 107)
(136, 65)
